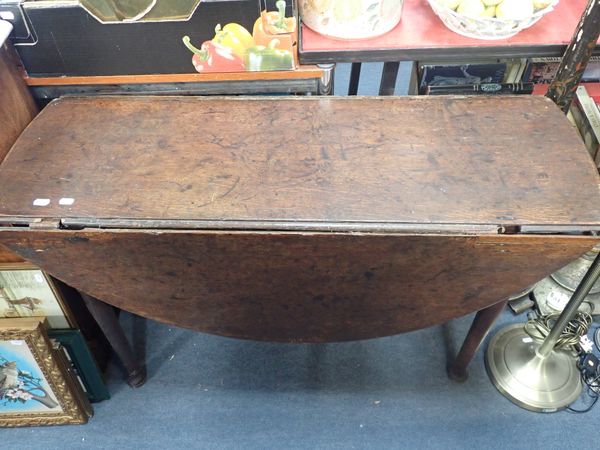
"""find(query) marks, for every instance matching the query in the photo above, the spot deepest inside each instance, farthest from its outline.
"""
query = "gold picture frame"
(27, 291)
(36, 385)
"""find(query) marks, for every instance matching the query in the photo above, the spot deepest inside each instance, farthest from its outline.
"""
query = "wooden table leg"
(354, 78)
(388, 78)
(108, 321)
(484, 319)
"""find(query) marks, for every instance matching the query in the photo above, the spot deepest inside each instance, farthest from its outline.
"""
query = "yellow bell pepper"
(235, 37)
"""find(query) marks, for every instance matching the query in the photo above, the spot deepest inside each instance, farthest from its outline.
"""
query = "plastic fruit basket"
(485, 27)
(351, 19)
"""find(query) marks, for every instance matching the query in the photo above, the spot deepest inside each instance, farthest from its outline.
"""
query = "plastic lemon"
(473, 8)
(490, 11)
(452, 4)
(541, 4)
(491, 2)
(514, 9)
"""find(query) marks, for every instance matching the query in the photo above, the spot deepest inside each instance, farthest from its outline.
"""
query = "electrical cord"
(593, 391)
(539, 328)
(592, 386)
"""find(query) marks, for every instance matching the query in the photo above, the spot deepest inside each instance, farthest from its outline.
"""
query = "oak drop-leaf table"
(310, 219)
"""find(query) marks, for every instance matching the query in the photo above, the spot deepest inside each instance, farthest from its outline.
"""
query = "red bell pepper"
(212, 57)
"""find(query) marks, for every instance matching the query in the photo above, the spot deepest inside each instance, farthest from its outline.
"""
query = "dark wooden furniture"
(7, 257)
(301, 219)
(106, 317)
(17, 107)
(17, 110)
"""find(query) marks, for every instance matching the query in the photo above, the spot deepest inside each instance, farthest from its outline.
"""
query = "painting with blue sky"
(23, 387)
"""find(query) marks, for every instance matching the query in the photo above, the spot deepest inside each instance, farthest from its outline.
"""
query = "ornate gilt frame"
(75, 407)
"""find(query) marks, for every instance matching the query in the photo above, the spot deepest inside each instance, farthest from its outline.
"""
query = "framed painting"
(26, 291)
(36, 385)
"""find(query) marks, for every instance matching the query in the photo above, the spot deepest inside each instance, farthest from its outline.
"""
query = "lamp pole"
(576, 57)
(585, 285)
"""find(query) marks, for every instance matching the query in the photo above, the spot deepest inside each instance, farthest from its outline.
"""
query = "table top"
(421, 35)
(264, 162)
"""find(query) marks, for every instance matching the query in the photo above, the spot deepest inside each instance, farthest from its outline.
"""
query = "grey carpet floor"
(208, 392)
(218, 393)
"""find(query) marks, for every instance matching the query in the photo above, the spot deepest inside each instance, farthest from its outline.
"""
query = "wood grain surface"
(302, 72)
(17, 107)
(295, 287)
(501, 160)
(7, 256)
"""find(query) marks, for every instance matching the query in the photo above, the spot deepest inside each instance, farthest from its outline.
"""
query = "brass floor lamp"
(534, 374)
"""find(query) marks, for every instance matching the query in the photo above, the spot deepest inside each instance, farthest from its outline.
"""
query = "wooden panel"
(7, 256)
(17, 108)
(295, 287)
(300, 73)
(507, 160)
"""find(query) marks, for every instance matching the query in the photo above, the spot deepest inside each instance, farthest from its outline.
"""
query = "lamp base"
(538, 384)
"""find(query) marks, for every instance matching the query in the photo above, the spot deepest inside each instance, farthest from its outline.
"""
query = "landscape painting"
(28, 293)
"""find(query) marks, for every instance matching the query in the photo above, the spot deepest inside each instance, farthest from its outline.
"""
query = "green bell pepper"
(260, 58)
